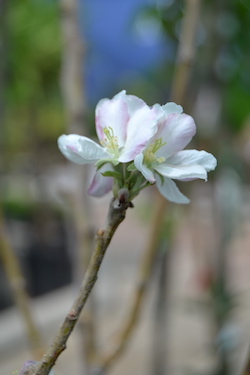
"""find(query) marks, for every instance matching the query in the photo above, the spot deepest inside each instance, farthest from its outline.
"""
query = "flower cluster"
(139, 146)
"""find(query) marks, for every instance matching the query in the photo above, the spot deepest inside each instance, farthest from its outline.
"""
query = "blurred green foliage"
(26, 210)
(34, 55)
(232, 61)
(33, 104)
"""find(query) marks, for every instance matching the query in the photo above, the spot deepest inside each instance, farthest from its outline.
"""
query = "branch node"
(72, 315)
(100, 233)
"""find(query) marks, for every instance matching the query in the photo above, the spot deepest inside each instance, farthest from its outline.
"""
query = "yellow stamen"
(149, 155)
(110, 141)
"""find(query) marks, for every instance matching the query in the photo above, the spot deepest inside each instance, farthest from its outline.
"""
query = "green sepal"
(114, 174)
(101, 162)
(131, 167)
(138, 181)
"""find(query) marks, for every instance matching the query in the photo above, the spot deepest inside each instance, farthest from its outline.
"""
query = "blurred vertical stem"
(158, 337)
(72, 80)
(186, 50)
(17, 283)
(184, 62)
(72, 66)
(246, 370)
(159, 349)
(3, 66)
(227, 210)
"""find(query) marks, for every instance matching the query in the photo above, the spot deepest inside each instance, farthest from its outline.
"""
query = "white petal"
(122, 94)
(182, 172)
(100, 184)
(146, 172)
(141, 128)
(134, 104)
(171, 107)
(189, 157)
(113, 113)
(176, 131)
(81, 150)
(170, 191)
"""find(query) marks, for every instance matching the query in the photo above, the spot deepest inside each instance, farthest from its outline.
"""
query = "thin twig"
(116, 215)
(17, 283)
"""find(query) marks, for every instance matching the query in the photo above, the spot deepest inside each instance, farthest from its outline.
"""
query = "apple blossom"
(139, 146)
(164, 160)
(124, 125)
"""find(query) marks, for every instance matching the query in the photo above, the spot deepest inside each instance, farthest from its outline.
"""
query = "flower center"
(110, 141)
(149, 154)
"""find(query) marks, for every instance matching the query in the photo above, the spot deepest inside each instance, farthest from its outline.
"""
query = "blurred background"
(57, 60)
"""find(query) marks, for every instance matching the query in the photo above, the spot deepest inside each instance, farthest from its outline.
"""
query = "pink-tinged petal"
(176, 131)
(170, 191)
(182, 172)
(100, 184)
(146, 172)
(81, 150)
(112, 113)
(134, 104)
(190, 157)
(141, 128)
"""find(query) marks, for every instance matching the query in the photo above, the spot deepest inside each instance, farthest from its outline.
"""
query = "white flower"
(124, 125)
(139, 146)
(164, 160)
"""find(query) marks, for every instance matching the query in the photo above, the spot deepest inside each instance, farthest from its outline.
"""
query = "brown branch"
(17, 283)
(116, 215)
